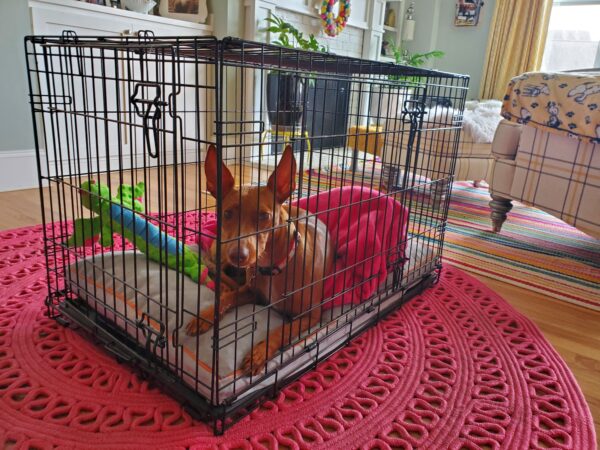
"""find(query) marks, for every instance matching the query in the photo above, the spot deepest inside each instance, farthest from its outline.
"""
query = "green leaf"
(290, 36)
(414, 60)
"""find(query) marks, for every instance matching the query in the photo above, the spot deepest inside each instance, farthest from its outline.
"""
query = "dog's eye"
(228, 214)
(264, 216)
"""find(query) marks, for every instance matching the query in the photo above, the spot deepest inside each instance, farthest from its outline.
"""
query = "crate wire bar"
(121, 111)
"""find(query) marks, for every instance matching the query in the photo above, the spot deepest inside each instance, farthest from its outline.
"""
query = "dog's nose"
(239, 256)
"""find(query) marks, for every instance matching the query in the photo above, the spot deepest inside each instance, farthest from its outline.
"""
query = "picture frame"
(467, 13)
(189, 10)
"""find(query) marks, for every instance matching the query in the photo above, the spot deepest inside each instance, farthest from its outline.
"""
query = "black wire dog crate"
(223, 294)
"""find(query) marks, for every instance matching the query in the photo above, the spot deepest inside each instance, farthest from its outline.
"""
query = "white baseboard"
(18, 170)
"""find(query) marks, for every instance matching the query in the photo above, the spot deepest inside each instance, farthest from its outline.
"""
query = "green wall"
(15, 116)
(464, 46)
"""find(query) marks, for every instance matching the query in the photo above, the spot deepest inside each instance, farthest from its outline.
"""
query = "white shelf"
(114, 12)
(387, 59)
(393, 34)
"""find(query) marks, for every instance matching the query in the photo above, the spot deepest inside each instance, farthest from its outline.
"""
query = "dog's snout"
(239, 256)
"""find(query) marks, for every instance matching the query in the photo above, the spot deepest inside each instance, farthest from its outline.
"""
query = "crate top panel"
(238, 52)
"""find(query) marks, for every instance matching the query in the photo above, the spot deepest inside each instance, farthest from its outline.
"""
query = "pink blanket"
(368, 230)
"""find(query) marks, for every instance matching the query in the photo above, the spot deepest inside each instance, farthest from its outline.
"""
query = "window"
(573, 36)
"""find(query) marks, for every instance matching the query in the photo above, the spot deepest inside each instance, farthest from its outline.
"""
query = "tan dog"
(256, 237)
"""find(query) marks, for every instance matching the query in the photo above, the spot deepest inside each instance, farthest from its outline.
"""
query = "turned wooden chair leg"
(500, 208)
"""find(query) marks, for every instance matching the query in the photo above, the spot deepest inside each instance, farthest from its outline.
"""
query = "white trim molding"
(18, 170)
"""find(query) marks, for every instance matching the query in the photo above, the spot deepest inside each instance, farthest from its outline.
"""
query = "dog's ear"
(210, 169)
(283, 181)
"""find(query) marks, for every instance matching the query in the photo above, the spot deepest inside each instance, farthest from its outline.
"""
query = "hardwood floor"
(20, 209)
(574, 331)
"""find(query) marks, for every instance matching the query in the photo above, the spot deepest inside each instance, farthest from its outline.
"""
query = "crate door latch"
(154, 332)
(147, 104)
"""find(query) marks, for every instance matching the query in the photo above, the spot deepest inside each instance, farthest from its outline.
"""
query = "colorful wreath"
(334, 25)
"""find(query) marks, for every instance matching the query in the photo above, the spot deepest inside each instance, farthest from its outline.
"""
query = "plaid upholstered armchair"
(547, 151)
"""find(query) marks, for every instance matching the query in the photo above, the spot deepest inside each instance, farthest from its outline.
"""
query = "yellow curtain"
(516, 43)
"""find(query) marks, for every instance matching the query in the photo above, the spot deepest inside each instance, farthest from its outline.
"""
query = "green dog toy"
(118, 215)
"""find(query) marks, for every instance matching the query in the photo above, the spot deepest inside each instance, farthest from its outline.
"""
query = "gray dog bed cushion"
(126, 287)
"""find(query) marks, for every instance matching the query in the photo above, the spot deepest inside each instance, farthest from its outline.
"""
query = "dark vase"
(285, 98)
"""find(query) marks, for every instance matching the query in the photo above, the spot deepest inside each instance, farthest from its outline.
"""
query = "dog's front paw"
(255, 361)
(201, 324)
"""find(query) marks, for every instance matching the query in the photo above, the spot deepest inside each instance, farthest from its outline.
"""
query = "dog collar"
(276, 269)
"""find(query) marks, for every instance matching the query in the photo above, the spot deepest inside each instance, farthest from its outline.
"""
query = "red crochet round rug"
(454, 368)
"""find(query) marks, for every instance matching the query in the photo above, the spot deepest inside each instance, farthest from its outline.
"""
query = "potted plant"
(391, 98)
(285, 90)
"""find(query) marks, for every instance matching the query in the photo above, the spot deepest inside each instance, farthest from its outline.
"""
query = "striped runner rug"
(534, 250)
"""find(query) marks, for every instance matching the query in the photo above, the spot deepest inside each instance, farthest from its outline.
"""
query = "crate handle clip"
(68, 36)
